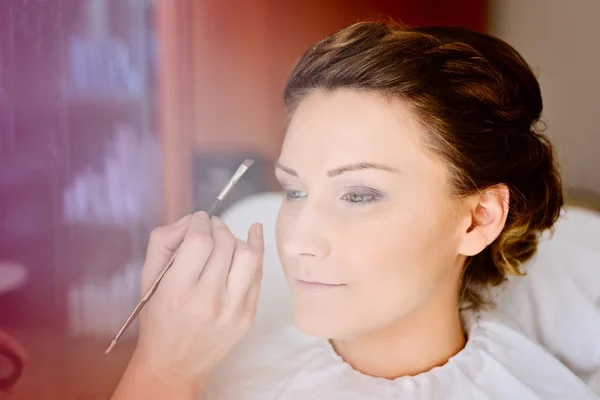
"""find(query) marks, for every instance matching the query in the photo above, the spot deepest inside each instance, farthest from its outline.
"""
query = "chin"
(322, 325)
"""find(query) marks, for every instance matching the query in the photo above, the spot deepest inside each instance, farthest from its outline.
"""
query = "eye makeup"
(291, 194)
(361, 195)
(353, 195)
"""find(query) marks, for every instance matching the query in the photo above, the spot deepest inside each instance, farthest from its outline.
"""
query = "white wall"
(561, 41)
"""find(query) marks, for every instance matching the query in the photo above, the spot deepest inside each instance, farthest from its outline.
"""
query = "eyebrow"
(340, 170)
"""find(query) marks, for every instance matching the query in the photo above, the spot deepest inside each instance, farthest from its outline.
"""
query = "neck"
(420, 341)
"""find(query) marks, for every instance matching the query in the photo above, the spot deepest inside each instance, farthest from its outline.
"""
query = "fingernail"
(258, 229)
(203, 214)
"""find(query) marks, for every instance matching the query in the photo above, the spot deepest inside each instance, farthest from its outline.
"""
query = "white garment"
(497, 363)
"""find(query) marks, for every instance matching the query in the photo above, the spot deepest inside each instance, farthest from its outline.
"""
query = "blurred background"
(120, 115)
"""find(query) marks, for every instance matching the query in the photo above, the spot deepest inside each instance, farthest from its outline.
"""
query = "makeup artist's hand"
(205, 303)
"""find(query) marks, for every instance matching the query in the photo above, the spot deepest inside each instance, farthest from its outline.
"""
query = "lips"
(317, 286)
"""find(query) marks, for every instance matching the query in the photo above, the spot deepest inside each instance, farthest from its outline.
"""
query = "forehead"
(346, 126)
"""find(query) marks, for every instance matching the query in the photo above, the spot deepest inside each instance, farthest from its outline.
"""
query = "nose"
(307, 234)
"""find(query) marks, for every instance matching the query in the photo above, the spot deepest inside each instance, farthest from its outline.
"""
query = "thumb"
(163, 243)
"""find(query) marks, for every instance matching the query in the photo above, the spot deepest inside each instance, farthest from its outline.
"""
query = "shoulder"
(502, 359)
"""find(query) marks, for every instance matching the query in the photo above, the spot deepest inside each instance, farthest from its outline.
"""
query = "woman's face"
(368, 231)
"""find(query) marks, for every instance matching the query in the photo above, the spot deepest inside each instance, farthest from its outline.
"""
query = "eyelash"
(366, 198)
(289, 196)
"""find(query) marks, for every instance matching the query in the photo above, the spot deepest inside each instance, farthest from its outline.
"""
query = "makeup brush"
(152, 289)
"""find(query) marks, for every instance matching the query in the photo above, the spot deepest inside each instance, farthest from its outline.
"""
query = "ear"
(485, 218)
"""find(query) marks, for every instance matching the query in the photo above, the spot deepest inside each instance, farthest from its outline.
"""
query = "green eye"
(294, 194)
(356, 198)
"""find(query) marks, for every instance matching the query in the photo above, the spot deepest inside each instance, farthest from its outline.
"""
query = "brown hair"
(481, 102)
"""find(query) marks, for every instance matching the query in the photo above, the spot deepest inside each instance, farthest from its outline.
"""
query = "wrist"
(163, 376)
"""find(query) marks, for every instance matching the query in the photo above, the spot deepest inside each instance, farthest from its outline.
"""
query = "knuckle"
(228, 239)
(210, 311)
(158, 234)
(246, 319)
(248, 256)
(201, 241)
(175, 303)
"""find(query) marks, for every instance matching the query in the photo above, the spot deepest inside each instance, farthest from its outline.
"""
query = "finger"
(194, 251)
(252, 296)
(163, 243)
(10, 343)
(251, 301)
(256, 238)
(247, 259)
(214, 274)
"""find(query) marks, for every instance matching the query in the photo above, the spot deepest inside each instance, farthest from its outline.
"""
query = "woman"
(415, 182)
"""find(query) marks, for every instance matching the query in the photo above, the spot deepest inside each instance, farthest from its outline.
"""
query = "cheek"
(391, 266)
(400, 267)
(386, 279)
